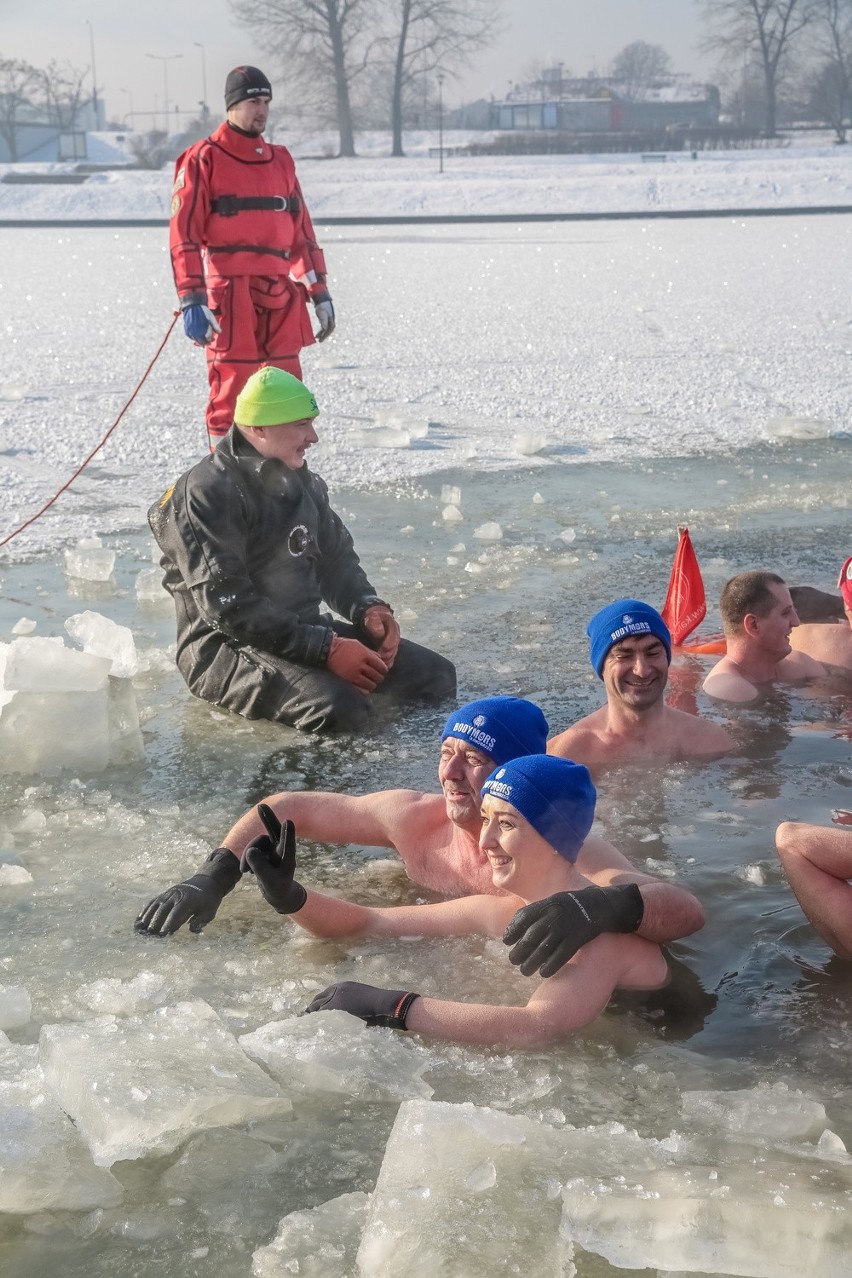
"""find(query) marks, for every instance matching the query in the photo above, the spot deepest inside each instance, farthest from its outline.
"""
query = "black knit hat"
(245, 82)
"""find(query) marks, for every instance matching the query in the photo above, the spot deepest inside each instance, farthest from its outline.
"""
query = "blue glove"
(200, 324)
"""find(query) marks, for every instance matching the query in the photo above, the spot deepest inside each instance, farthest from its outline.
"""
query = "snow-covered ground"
(374, 186)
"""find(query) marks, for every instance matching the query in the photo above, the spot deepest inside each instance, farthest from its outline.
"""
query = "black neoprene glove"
(374, 1006)
(546, 934)
(271, 858)
(196, 899)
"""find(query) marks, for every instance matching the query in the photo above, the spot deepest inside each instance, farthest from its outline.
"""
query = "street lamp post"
(204, 112)
(440, 121)
(94, 72)
(129, 106)
(165, 59)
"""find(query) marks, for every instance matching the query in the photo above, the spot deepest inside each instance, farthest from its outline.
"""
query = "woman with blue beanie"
(536, 813)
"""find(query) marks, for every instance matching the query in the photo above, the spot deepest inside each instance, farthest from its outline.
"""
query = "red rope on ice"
(100, 445)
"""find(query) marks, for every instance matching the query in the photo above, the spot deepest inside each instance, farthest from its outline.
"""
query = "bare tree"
(768, 28)
(638, 65)
(18, 82)
(326, 42)
(831, 89)
(434, 35)
(62, 93)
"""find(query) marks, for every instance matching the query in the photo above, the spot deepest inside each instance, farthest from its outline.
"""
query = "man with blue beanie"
(630, 649)
(437, 837)
(536, 812)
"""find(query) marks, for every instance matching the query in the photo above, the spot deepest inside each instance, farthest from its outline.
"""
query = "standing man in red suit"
(243, 250)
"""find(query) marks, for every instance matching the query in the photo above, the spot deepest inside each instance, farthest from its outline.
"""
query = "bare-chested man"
(630, 650)
(437, 837)
(831, 645)
(758, 615)
(818, 865)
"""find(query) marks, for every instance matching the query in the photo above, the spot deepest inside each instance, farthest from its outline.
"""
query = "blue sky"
(582, 34)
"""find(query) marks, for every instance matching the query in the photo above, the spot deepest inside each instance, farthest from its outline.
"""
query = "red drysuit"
(239, 261)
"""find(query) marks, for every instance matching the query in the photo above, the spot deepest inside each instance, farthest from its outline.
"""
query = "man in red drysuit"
(243, 251)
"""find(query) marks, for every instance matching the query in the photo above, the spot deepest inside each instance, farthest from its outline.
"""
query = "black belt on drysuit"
(231, 205)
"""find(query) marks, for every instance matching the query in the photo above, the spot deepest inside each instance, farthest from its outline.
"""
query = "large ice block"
(757, 1219)
(47, 731)
(465, 1190)
(772, 1112)
(102, 637)
(150, 589)
(44, 1162)
(126, 745)
(15, 1007)
(319, 1243)
(37, 664)
(146, 1083)
(337, 1053)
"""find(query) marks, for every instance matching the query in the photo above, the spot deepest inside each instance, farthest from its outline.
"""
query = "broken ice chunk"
(90, 560)
(337, 1053)
(44, 1162)
(47, 665)
(319, 1243)
(489, 532)
(464, 1190)
(15, 1007)
(122, 998)
(772, 1112)
(144, 1084)
(102, 637)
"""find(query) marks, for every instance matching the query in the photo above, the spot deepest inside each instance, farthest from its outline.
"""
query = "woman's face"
(519, 857)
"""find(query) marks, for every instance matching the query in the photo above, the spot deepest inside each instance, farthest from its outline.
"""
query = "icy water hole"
(764, 1006)
(758, 1009)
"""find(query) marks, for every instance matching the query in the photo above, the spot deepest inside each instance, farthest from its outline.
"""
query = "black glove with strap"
(374, 1006)
(271, 858)
(546, 934)
(196, 899)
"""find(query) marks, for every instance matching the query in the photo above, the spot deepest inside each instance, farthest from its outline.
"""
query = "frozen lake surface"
(587, 389)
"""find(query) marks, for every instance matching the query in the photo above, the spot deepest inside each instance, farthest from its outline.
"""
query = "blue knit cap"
(556, 796)
(501, 727)
(624, 619)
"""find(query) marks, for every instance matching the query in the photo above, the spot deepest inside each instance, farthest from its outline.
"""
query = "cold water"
(718, 1113)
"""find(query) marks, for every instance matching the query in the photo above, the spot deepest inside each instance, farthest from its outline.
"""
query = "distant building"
(38, 139)
(599, 105)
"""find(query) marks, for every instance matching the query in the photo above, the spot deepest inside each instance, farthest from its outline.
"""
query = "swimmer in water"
(536, 813)
(818, 865)
(758, 615)
(630, 650)
(437, 837)
(831, 645)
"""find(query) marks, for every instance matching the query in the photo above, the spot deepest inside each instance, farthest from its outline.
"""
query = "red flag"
(685, 606)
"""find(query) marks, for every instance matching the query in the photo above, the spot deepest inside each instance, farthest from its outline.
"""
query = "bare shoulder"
(581, 742)
(799, 665)
(602, 863)
(725, 683)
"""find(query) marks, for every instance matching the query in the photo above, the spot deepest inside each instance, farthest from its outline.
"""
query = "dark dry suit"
(251, 550)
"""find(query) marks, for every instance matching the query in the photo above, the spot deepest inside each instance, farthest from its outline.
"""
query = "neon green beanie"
(272, 397)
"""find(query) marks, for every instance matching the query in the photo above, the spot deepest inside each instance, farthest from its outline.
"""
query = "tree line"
(58, 90)
(802, 50)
